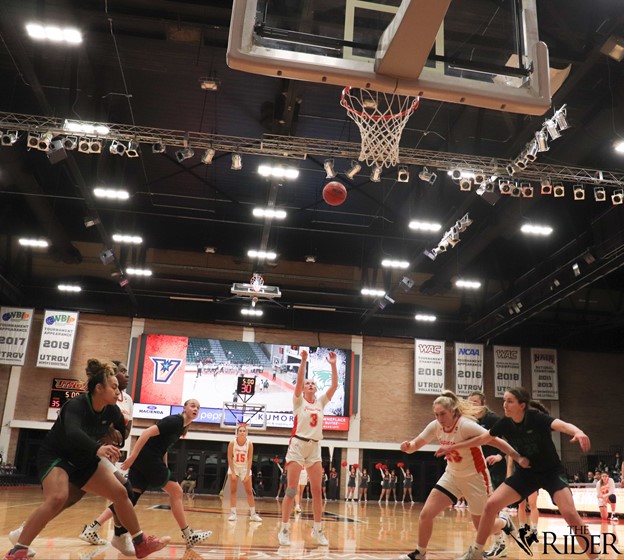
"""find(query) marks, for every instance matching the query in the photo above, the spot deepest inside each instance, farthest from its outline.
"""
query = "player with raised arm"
(304, 449)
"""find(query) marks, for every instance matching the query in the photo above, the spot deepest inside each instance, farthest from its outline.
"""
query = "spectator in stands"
(590, 476)
(189, 482)
(617, 466)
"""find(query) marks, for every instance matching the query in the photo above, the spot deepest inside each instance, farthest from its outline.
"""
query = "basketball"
(334, 193)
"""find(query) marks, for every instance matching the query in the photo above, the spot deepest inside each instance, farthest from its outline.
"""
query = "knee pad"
(291, 492)
(135, 496)
(612, 498)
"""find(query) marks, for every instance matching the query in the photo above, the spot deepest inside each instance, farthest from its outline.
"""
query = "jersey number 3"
(313, 419)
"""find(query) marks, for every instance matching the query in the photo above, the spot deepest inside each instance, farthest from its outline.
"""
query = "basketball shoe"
(193, 538)
(90, 535)
(416, 555)
(256, 518)
(284, 537)
(14, 538)
(150, 544)
(498, 550)
(472, 554)
(19, 554)
(320, 537)
(123, 543)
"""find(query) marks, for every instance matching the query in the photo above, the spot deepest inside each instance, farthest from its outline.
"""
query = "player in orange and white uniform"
(240, 456)
(605, 490)
(466, 472)
(304, 449)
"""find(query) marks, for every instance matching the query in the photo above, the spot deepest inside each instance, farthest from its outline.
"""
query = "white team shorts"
(475, 488)
(303, 477)
(240, 471)
(305, 453)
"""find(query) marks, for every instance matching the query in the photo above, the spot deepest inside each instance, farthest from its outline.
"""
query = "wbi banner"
(544, 373)
(429, 367)
(57, 339)
(507, 369)
(468, 368)
(15, 326)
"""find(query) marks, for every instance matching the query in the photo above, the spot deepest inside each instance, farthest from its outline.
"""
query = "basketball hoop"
(381, 118)
(256, 282)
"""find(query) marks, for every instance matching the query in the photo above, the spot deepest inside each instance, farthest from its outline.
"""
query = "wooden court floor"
(355, 531)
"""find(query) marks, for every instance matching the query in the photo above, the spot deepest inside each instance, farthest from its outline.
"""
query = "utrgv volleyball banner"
(57, 339)
(507, 369)
(15, 326)
(544, 373)
(429, 367)
(468, 368)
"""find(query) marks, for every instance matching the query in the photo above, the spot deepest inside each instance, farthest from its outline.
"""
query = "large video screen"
(173, 369)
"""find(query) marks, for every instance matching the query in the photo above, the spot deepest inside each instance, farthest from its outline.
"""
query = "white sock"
(317, 526)
(252, 511)
(285, 526)
(234, 510)
(94, 524)
(186, 531)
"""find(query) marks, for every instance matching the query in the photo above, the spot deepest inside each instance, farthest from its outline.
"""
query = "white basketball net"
(381, 118)
(257, 282)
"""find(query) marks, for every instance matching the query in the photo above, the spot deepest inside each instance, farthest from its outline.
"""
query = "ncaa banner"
(57, 339)
(429, 367)
(507, 369)
(15, 326)
(544, 373)
(468, 368)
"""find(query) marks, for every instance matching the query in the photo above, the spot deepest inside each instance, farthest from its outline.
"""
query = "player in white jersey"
(240, 456)
(605, 491)
(124, 403)
(304, 449)
(466, 473)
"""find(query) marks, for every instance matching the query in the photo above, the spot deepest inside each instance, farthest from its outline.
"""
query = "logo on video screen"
(164, 368)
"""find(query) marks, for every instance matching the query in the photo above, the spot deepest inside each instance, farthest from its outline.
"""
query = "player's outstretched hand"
(583, 441)
(331, 358)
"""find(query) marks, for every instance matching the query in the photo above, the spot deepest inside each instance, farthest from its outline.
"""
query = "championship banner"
(429, 367)
(507, 369)
(15, 326)
(468, 368)
(544, 373)
(57, 339)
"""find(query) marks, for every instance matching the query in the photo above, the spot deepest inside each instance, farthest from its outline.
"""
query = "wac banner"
(468, 368)
(15, 326)
(429, 367)
(507, 369)
(57, 339)
(544, 373)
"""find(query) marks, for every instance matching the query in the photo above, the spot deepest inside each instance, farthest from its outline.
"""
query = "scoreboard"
(62, 391)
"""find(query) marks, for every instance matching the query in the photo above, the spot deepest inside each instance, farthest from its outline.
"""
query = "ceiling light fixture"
(617, 197)
(395, 263)
(469, 284)
(353, 170)
(209, 83)
(372, 292)
(578, 192)
(112, 194)
(53, 33)
(252, 312)
(184, 153)
(158, 147)
(619, 147)
(69, 288)
(34, 243)
(600, 194)
(425, 318)
(133, 149)
(138, 272)
(208, 156)
(558, 191)
(330, 171)
(403, 174)
(269, 213)
(130, 239)
(277, 171)
(424, 226)
(117, 148)
(375, 175)
(546, 186)
(9, 138)
(268, 255)
(533, 229)
(237, 162)
(613, 47)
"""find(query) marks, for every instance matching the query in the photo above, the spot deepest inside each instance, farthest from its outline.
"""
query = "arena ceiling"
(141, 64)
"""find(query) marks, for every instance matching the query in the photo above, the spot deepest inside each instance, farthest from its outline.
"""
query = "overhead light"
(442, 246)
(310, 258)
(532, 150)
(469, 284)
(277, 171)
(579, 192)
(269, 213)
(130, 239)
(34, 243)
(209, 83)
(184, 153)
(533, 229)
(560, 118)
(112, 194)
(464, 222)
(32, 140)
(394, 263)
(431, 253)
(403, 175)
(619, 147)
(70, 142)
(375, 175)
(69, 288)
(353, 170)
(158, 147)
(551, 127)
(252, 312)
(465, 185)
(209, 154)
(372, 292)
(88, 145)
(268, 255)
(456, 174)
(576, 269)
(617, 197)
(425, 318)
(546, 186)
(210, 250)
(132, 151)
(88, 129)
(427, 176)
(90, 221)
(527, 190)
(600, 194)
(313, 308)
(424, 226)
(330, 171)
(542, 141)
(138, 272)
(9, 138)
(558, 191)
(479, 178)
(117, 148)
(613, 47)
(44, 141)
(237, 162)
(53, 33)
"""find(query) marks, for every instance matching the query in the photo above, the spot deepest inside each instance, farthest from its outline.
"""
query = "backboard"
(235, 413)
(474, 52)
